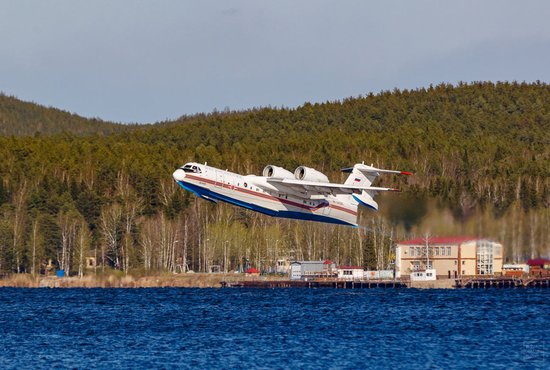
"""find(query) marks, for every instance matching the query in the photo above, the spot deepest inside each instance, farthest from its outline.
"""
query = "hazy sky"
(145, 61)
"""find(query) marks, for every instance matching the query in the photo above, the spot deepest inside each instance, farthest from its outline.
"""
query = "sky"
(147, 61)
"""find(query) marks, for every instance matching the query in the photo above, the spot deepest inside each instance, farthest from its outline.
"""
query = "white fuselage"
(256, 193)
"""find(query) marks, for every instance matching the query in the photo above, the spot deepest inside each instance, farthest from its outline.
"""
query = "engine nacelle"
(309, 174)
(277, 172)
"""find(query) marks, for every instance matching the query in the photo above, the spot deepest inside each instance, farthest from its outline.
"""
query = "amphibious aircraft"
(306, 194)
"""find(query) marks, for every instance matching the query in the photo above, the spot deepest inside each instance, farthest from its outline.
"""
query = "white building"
(283, 266)
(311, 269)
(350, 272)
(378, 275)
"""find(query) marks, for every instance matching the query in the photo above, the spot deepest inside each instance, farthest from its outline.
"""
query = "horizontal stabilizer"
(373, 170)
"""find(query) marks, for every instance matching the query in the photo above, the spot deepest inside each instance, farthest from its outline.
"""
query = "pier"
(503, 282)
(332, 283)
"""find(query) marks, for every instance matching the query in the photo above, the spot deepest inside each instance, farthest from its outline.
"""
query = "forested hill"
(22, 118)
(480, 153)
(489, 143)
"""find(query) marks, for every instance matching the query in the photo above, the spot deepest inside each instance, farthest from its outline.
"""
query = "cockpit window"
(191, 168)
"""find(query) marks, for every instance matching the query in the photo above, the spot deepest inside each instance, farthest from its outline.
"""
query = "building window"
(437, 251)
(411, 250)
(448, 251)
(456, 263)
(484, 256)
(463, 262)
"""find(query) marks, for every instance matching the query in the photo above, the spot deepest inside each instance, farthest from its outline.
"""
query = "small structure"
(424, 275)
(252, 272)
(515, 269)
(539, 267)
(311, 269)
(350, 272)
(283, 266)
(215, 269)
(91, 263)
(378, 275)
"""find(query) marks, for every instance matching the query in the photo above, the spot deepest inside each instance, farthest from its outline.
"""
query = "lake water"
(280, 328)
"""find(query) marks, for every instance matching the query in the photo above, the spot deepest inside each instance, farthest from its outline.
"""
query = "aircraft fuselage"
(257, 194)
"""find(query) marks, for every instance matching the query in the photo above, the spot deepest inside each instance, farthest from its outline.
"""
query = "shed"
(350, 272)
(311, 269)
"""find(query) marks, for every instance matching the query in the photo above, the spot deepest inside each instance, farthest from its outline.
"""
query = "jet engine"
(309, 174)
(277, 172)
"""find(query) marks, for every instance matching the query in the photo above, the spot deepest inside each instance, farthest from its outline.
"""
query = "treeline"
(23, 119)
(480, 153)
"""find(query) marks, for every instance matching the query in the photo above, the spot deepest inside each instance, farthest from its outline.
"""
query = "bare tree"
(35, 241)
(84, 239)
(110, 229)
(131, 206)
(67, 223)
(19, 217)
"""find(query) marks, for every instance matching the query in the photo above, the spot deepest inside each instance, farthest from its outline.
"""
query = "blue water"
(281, 328)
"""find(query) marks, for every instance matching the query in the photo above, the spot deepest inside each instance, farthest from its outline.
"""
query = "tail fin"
(364, 175)
(357, 177)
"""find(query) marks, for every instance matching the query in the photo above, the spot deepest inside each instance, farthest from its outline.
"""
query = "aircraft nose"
(179, 174)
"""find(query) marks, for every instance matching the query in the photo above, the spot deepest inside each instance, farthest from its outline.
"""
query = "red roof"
(350, 267)
(252, 270)
(439, 240)
(538, 262)
(328, 262)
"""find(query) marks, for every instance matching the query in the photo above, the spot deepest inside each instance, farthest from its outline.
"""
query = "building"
(312, 269)
(283, 266)
(378, 275)
(515, 269)
(451, 257)
(539, 267)
(350, 272)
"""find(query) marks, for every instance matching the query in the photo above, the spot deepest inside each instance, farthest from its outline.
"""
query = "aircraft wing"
(311, 189)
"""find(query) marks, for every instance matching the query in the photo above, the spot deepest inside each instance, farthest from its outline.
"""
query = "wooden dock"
(335, 284)
(503, 282)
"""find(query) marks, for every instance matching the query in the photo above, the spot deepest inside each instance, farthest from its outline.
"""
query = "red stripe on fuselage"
(269, 197)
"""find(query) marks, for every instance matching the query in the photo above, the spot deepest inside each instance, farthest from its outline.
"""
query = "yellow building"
(451, 257)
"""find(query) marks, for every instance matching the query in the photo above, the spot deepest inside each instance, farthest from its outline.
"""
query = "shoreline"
(232, 280)
(197, 280)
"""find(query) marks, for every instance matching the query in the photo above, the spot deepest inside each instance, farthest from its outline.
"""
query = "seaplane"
(306, 194)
